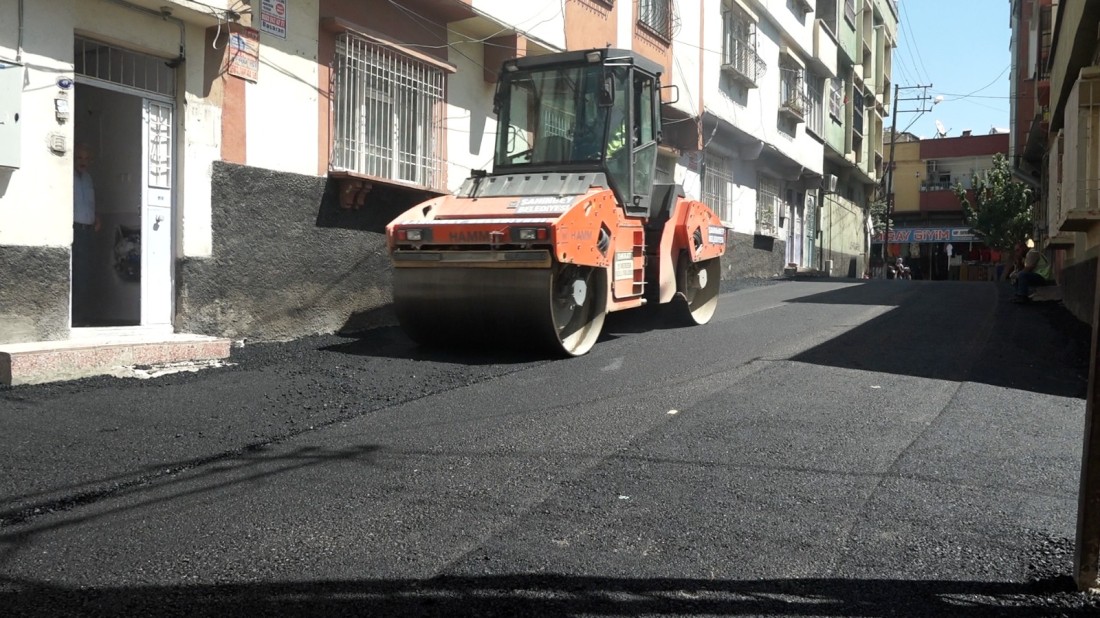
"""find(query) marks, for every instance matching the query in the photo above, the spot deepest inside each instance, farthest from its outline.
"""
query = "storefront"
(940, 253)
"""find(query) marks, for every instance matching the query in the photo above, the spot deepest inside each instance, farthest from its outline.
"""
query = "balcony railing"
(1079, 206)
(740, 61)
(792, 97)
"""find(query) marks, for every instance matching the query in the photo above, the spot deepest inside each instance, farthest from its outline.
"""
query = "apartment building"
(1058, 81)
(247, 155)
(928, 229)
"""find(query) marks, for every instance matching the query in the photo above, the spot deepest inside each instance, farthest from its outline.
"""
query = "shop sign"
(273, 17)
(929, 235)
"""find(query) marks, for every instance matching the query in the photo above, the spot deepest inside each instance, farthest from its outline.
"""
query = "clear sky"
(961, 48)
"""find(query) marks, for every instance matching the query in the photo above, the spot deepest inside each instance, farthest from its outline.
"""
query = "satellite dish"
(940, 131)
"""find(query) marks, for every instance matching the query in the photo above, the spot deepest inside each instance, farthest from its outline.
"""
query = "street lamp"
(923, 98)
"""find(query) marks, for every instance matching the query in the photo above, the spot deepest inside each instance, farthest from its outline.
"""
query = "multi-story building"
(248, 155)
(857, 98)
(927, 221)
(1058, 82)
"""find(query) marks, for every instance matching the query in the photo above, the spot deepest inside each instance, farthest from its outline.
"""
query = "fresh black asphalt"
(823, 447)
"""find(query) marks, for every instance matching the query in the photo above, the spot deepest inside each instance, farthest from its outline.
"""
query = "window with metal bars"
(107, 63)
(656, 15)
(767, 205)
(792, 89)
(718, 186)
(739, 44)
(387, 111)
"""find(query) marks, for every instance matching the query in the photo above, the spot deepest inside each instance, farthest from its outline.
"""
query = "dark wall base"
(287, 261)
(749, 256)
(1078, 288)
(34, 293)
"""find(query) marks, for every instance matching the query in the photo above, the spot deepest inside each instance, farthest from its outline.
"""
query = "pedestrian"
(86, 224)
(1032, 269)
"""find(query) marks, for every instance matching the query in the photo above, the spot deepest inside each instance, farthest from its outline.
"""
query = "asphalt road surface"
(822, 448)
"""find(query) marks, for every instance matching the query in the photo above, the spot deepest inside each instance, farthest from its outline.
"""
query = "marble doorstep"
(92, 352)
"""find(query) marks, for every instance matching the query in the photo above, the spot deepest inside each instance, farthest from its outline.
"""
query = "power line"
(912, 39)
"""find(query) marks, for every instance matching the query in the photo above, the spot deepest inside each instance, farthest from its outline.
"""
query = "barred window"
(387, 110)
(792, 89)
(739, 44)
(767, 205)
(718, 187)
(656, 15)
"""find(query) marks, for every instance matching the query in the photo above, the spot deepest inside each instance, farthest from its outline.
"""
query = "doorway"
(122, 268)
(795, 233)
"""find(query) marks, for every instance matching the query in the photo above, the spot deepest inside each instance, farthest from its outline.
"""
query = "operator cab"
(596, 110)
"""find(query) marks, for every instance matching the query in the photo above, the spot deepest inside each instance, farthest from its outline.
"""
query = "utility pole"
(1087, 551)
(920, 108)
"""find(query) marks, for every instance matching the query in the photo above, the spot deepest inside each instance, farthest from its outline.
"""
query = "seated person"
(1031, 270)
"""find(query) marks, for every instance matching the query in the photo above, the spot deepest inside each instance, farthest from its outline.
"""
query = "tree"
(879, 217)
(1001, 214)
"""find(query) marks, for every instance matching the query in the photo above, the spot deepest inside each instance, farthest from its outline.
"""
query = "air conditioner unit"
(828, 183)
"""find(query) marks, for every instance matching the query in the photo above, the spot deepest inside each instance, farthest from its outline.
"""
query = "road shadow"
(161, 484)
(933, 327)
(392, 342)
(559, 595)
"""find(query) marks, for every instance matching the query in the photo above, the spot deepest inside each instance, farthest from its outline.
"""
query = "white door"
(794, 231)
(156, 215)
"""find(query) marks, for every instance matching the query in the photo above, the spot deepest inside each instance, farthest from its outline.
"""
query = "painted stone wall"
(755, 257)
(34, 293)
(287, 261)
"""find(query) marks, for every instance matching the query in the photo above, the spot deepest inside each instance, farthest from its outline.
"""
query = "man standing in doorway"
(85, 225)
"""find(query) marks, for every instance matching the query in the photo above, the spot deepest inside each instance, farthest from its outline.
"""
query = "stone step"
(105, 351)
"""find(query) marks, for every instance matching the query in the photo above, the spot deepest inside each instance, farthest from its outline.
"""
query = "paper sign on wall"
(244, 54)
(273, 17)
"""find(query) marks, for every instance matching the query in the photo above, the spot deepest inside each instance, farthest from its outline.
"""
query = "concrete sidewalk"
(121, 352)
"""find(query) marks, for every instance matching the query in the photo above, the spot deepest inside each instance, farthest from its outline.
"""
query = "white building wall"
(758, 115)
(198, 146)
(36, 199)
(281, 106)
(544, 21)
(471, 124)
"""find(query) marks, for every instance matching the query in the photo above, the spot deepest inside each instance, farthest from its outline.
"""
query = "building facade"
(1058, 83)
(927, 226)
(247, 156)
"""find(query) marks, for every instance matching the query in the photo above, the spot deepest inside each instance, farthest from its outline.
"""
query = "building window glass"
(850, 12)
(387, 112)
(836, 98)
(815, 113)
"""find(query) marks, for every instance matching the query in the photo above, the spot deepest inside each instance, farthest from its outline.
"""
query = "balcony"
(792, 98)
(939, 197)
(1078, 208)
(1061, 240)
(824, 48)
(741, 62)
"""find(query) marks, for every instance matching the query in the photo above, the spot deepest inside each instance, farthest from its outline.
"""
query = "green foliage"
(879, 217)
(1001, 214)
